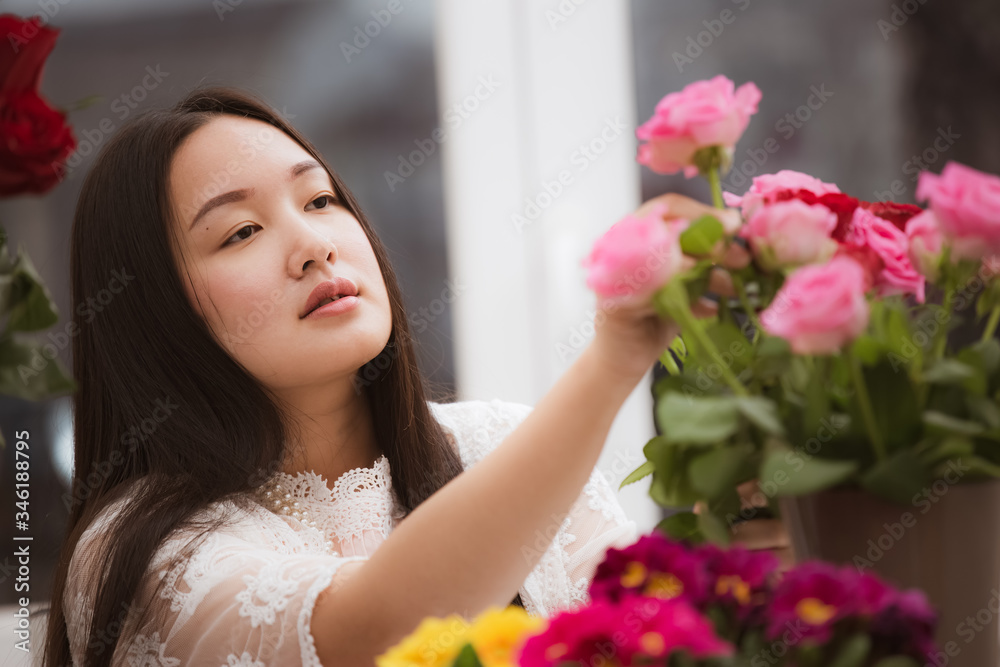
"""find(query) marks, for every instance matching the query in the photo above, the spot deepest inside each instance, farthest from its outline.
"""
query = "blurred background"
(491, 144)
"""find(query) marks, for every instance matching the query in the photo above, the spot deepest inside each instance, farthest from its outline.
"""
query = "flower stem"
(688, 323)
(941, 336)
(991, 325)
(715, 182)
(741, 292)
(866, 407)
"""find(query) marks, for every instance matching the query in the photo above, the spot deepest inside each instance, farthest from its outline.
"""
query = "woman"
(234, 435)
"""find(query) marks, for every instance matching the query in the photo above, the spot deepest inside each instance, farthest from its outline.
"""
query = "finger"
(736, 256)
(703, 308)
(720, 282)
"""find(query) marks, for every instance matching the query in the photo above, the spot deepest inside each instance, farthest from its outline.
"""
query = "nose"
(313, 246)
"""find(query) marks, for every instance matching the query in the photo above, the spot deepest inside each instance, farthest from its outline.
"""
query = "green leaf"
(762, 412)
(853, 652)
(950, 447)
(796, 473)
(701, 235)
(697, 419)
(645, 469)
(682, 526)
(719, 470)
(467, 657)
(773, 358)
(713, 528)
(30, 304)
(948, 424)
(897, 478)
(667, 359)
(984, 408)
(978, 466)
(989, 354)
(948, 371)
(734, 348)
(26, 373)
(867, 349)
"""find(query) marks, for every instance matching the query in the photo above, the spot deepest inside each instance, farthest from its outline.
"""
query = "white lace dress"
(246, 595)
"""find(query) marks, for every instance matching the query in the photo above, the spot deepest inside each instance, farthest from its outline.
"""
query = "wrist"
(607, 372)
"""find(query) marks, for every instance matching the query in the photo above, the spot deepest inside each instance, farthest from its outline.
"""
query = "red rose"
(841, 204)
(895, 213)
(34, 138)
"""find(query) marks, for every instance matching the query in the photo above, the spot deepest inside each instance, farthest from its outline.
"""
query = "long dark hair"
(225, 433)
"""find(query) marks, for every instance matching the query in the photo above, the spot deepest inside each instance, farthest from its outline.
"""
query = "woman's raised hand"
(630, 335)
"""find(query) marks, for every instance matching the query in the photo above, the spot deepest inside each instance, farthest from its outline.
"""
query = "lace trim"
(361, 501)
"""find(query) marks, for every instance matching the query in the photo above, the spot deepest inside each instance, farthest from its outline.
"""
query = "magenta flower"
(738, 577)
(653, 566)
(905, 624)
(811, 599)
(638, 629)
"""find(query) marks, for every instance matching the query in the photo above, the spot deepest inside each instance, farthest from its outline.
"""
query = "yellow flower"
(814, 612)
(435, 643)
(663, 585)
(729, 583)
(496, 633)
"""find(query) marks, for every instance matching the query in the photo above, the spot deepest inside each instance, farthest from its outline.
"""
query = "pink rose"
(926, 244)
(967, 205)
(820, 308)
(766, 188)
(791, 233)
(705, 113)
(635, 257)
(897, 275)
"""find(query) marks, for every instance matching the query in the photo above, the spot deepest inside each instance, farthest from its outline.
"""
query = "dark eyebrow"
(294, 172)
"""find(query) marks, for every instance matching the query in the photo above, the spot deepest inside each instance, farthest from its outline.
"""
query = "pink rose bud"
(765, 189)
(967, 205)
(820, 308)
(703, 114)
(635, 257)
(897, 276)
(791, 233)
(926, 244)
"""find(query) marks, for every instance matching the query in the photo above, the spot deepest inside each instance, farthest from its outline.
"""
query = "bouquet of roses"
(831, 367)
(666, 602)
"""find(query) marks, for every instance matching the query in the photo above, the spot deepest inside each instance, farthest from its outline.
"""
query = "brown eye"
(243, 238)
(328, 201)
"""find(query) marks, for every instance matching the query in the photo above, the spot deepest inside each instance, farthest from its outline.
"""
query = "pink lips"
(342, 305)
(329, 289)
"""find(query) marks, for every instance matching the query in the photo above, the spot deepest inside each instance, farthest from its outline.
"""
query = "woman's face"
(257, 257)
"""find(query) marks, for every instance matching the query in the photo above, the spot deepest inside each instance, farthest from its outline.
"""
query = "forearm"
(473, 543)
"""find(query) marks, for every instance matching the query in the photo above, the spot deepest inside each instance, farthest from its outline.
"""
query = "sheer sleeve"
(234, 600)
(595, 521)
